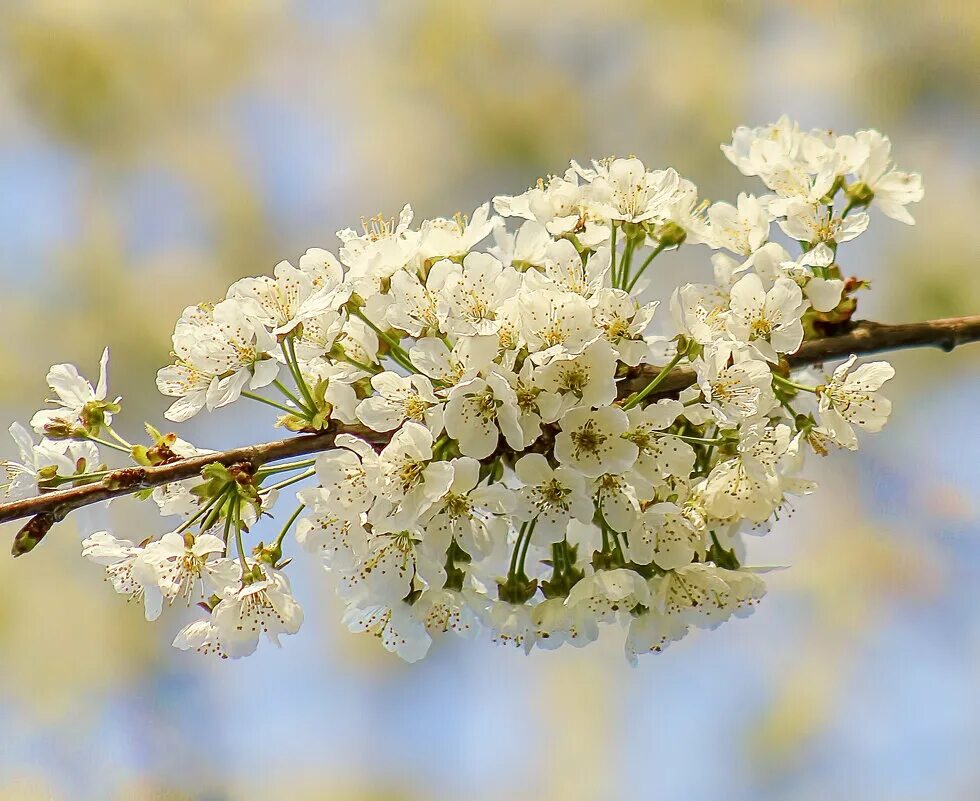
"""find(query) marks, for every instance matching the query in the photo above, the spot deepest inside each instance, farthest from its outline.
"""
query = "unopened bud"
(31, 534)
(670, 234)
(859, 194)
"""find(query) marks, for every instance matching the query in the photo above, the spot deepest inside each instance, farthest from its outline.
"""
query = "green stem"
(612, 247)
(289, 481)
(440, 444)
(57, 481)
(268, 402)
(658, 379)
(517, 547)
(199, 513)
(265, 472)
(289, 523)
(617, 545)
(216, 505)
(699, 440)
(235, 511)
(298, 375)
(373, 369)
(396, 351)
(108, 444)
(285, 391)
(527, 542)
(792, 384)
(117, 438)
(646, 263)
(624, 265)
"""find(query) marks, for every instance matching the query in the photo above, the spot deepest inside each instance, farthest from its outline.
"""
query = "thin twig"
(863, 338)
(129, 480)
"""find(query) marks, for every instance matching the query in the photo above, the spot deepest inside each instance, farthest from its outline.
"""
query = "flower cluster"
(526, 445)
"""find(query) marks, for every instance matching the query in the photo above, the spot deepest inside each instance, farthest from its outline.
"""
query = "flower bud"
(31, 534)
(859, 194)
(670, 234)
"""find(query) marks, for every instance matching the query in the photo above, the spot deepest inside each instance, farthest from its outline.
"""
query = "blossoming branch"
(494, 429)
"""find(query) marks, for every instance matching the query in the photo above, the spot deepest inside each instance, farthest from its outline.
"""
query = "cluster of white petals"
(534, 480)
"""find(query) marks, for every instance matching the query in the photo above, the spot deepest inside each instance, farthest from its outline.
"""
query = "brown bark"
(863, 338)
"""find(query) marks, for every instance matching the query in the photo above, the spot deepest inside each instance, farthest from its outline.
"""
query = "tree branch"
(863, 338)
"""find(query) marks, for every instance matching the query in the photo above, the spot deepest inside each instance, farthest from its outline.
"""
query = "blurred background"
(151, 153)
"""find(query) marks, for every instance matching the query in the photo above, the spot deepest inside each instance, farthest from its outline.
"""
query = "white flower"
(401, 398)
(564, 271)
(698, 311)
(557, 622)
(445, 238)
(664, 536)
(624, 323)
(186, 380)
(550, 497)
(349, 478)
(592, 442)
(768, 321)
(651, 632)
(618, 498)
(339, 540)
(20, 479)
(738, 391)
(386, 572)
(508, 624)
(119, 557)
(661, 455)
(814, 223)
(869, 156)
(443, 610)
(852, 399)
(400, 631)
(468, 513)
(742, 228)
(411, 479)
(275, 302)
(772, 261)
(468, 356)
(418, 307)
(626, 191)
(528, 246)
(475, 293)
(181, 566)
(556, 324)
(385, 247)
(748, 484)
(477, 409)
(76, 400)
(745, 152)
(264, 605)
(585, 380)
(686, 213)
(219, 351)
(610, 593)
(535, 405)
(705, 595)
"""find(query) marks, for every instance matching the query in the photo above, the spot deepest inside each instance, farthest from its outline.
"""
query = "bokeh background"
(150, 153)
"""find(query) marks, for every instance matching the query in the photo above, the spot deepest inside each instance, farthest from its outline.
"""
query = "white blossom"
(851, 399)
(536, 452)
